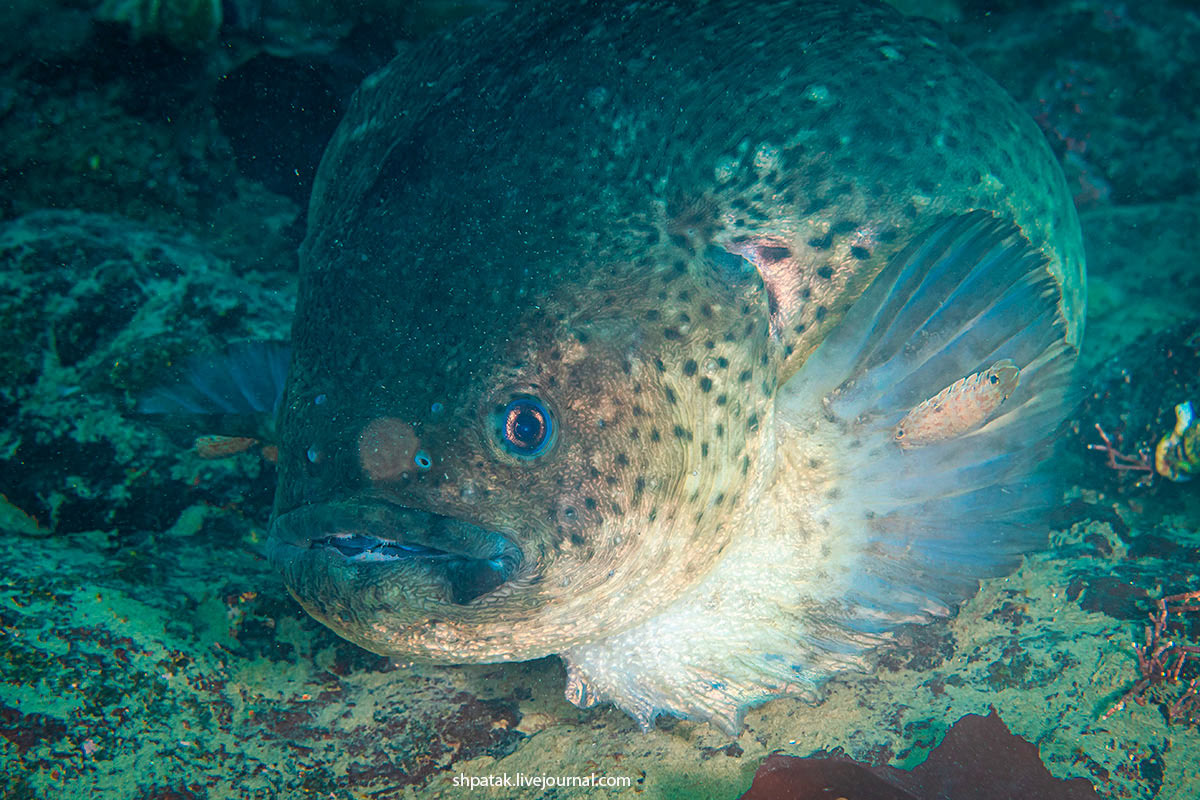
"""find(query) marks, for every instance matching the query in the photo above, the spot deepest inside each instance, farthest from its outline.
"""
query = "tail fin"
(235, 393)
(246, 379)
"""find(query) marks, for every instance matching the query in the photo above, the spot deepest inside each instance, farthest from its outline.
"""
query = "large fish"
(613, 318)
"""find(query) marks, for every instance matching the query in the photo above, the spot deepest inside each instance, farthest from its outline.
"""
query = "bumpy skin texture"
(647, 217)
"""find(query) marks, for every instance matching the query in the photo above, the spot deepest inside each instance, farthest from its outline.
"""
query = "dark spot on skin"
(555, 354)
(659, 365)
(684, 319)
(671, 334)
(689, 368)
(820, 313)
(860, 253)
(706, 310)
(639, 485)
(722, 362)
(721, 399)
(845, 225)
(772, 305)
(823, 243)
(670, 395)
(685, 296)
(654, 435)
(577, 540)
(682, 433)
(638, 411)
(720, 429)
(653, 514)
(745, 376)
(709, 344)
(825, 272)
(799, 328)
(729, 337)
(652, 314)
(634, 434)
(773, 253)
(887, 236)
(622, 460)
(745, 464)
(705, 384)
(589, 503)
(680, 266)
(765, 359)
(720, 498)
(582, 337)
(704, 450)
(752, 423)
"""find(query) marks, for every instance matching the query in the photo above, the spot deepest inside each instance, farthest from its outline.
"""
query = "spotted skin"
(646, 217)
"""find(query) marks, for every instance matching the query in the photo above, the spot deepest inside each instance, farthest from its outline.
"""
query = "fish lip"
(370, 534)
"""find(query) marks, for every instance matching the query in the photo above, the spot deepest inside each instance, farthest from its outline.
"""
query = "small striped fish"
(961, 407)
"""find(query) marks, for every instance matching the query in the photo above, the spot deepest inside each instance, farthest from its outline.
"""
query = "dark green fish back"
(720, 122)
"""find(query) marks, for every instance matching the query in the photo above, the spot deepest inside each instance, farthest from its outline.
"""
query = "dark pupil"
(525, 426)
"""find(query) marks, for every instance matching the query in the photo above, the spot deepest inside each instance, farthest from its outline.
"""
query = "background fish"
(607, 320)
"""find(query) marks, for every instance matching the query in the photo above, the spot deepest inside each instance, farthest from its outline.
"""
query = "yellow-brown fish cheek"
(659, 439)
(607, 488)
(666, 444)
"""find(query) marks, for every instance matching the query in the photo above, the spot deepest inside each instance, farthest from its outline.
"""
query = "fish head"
(477, 471)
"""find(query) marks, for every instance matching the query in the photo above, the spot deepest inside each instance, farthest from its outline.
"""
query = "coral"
(1161, 661)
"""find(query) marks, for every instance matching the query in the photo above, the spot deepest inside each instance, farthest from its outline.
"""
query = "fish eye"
(526, 427)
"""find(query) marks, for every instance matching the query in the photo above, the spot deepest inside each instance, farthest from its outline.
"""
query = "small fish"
(214, 446)
(959, 408)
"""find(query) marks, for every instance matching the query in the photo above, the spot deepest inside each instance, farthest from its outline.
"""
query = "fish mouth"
(440, 559)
